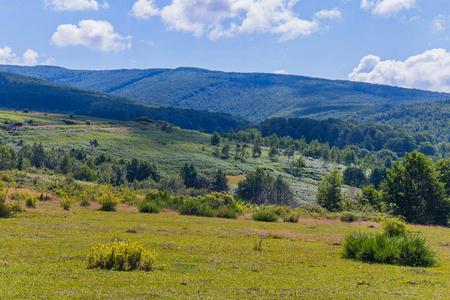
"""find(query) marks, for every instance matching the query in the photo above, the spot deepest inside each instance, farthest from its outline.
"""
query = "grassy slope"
(43, 255)
(253, 96)
(170, 151)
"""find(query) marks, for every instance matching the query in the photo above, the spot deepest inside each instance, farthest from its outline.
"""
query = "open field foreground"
(43, 254)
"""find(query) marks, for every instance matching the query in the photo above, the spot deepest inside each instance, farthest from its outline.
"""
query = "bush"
(121, 256)
(195, 207)
(148, 207)
(291, 218)
(66, 202)
(85, 202)
(30, 202)
(406, 250)
(226, 212)
(265, 216)
(108, 201)
(348, 217)
(393, 226)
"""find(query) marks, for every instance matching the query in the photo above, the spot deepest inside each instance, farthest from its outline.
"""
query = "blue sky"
(397, 42)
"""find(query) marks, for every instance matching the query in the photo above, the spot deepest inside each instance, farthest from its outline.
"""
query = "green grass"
(43, 254)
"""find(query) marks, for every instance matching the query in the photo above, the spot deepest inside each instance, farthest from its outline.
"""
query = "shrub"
(393, 226)
(122, 256)
(108, 201)
(30, 202)
(85, 202)
(195, 207)
(291, 218)
(148, 207)
(66, 202)
(348, 217)
(406, 250)
(226, 212)
(265, 216)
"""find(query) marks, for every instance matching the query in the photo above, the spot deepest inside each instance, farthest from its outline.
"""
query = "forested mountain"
(253, 96)
(22, 92)
(431, 117)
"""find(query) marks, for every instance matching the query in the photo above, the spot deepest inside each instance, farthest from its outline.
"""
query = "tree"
(261, 188)
(297, 164)
(443, 170)
(354, 176)
(220, 183)
(329, 191)
(273, 152)
(5, 158)
(413, 187)
(215, 138)
(377, 176)
(141, 170)
(38, 155)
(189, 175)
(256, 150)
(225, 151)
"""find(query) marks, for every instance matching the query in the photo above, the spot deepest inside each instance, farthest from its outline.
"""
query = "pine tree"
(220, 183)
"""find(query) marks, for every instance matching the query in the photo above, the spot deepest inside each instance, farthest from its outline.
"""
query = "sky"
(396, 42)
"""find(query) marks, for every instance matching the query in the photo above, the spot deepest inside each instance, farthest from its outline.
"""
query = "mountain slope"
(253, 96)
(20, 92)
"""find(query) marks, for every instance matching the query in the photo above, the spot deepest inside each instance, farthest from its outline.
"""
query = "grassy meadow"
(43, 254)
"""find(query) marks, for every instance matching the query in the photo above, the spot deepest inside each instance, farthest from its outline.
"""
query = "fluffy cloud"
(428, 71)
(75, 5)
(144, 9)
(95, 35)
(387, 7)
(438, 24)
(8, 57)
(226, 18)
(329, 14)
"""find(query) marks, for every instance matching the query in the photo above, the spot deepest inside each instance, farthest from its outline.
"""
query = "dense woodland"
(252, 96)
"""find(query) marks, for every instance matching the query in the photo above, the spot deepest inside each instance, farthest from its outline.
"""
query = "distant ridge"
(253, 96)
(20, 92)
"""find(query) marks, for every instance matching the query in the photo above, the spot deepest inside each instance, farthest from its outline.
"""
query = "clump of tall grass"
(395, 245)
(122, 256)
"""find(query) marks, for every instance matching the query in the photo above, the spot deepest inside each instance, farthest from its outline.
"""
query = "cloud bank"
(427, 71)
(227, 18)
(387, 7)
(95, 35)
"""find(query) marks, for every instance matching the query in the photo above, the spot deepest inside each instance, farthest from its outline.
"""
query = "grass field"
(43, 255)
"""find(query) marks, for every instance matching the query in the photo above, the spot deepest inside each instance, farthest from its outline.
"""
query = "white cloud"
(387, 7)
(329, 14)
(75, 5)
(428, 71)
(438, 23)
(95, 35)
(144, 9)
(8, 57)
(280, 72)
(227, 18)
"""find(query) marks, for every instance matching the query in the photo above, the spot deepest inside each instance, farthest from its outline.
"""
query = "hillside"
(253, 96)
(22, 92)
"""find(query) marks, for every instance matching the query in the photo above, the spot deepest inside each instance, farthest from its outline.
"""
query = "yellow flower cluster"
(122, 256)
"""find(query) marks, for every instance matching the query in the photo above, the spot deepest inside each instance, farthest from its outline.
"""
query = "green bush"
(265, 216)
(226, 212)
(85, 202)
(121, 256)
(195, 207)
(66, 202)
(148, 207)
(30, 202)
(393, 226)
(108, 202)
(348, 217)
(291, 217)
(406, 250)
